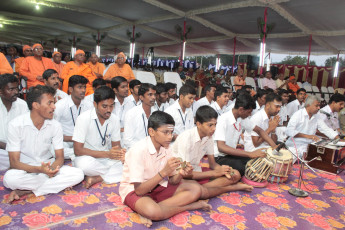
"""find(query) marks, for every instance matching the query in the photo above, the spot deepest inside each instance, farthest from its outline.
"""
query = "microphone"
(327, 114)
(280, 146)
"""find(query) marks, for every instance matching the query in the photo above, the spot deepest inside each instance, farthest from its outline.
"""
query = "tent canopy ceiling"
(214, 24)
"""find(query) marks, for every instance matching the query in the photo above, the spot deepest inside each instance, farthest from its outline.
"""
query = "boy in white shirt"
(181, 111)
(161, 98)
(97, 141)
(51, 78)
(329, 113)
(229, 128)
(207, 99)
(151, 183)
(33, 167)
(193, 144)
(171, 92)
(134, 99)
(221, 97)
(297, 104)
(68, 109)
(135, 127)
(10, 107)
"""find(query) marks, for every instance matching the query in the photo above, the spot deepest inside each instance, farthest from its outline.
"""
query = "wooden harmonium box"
(330, 156)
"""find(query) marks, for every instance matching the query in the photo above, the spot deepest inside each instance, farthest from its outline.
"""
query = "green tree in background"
(297, 60)
(330, 62)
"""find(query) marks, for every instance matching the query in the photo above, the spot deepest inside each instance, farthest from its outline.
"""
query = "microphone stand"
(298, 191)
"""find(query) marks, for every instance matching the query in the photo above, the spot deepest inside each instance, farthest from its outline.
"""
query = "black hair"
(116, 82)
(283, 91)
(337, 97)
(134, 83)
(220, 90)
(77, 79)
(145, 87)
(98, 82)
(103, 93)
(47, 73)
(158, 119)
(208, 88)
(161, 88)
(7, 78)
(245, 101)
(260, 93)
(170, 85)
(301, 90)
(269, 90)
(205, 113)
(35, 94)
(187, 89)
(273, 96)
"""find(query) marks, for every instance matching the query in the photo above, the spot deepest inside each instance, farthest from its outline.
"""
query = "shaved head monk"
(120, 68)
(27, 51)
(33, 66)
(96, 67)
(78, 67)
(57, 56)
(5, 66)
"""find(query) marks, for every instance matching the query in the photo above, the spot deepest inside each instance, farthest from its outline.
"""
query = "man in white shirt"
(303, 125)
(193, 144)
(136, 118)
(268, 82)
(280, 130)
(181, 111)
(171, 92)
(281, 83)
(207, 99)
(267, 119)
(260, 100)
(134, 86)
(229, 128)
(51, 78)
(329, 113)
(95, 85)
(221, 100)
(97, 141)
(68, 109)
(161, 98)
(10, 107)
(30, 135)
(297, 104)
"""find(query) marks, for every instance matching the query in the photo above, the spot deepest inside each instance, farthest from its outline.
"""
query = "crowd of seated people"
(116, 129)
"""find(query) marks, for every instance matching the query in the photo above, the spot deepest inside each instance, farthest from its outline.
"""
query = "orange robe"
(98, 68)
(5, 67)
(293, 87)
(59, 67)
(18, 63)
(31, 68)
(115, 70)
(71, 69)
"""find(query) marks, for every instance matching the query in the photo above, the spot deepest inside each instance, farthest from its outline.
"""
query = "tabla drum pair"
(272, 168)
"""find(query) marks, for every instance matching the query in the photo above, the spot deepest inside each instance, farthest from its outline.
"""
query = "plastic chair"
(330, 89)
(299, 84)
(173, 77)
(250, 81)
(146, 77)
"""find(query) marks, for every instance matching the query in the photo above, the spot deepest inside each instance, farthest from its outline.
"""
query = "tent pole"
(310, 40)
(233, 56)
(263, 41)
(132, 50)
(334, 70)
(183, 44)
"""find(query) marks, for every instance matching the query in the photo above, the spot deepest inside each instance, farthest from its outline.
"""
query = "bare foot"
(200, 205)
(146, 222)
(16, 195)
(91, 180)
(243, 186)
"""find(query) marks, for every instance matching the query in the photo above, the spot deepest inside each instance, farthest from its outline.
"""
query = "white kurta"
(331, 121)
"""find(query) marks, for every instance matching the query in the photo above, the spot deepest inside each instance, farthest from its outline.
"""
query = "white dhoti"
(39, 183)
(4, 160)
(110, 170)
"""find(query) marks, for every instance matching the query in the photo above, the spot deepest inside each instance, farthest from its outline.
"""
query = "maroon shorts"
(206, 180)
(158, 194)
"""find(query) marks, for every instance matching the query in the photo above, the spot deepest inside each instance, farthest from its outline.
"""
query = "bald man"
(34, 66)
(78, 67)
(57, 56)
(120, 68)
(27, 51)
(5, 67)
(96, 67)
